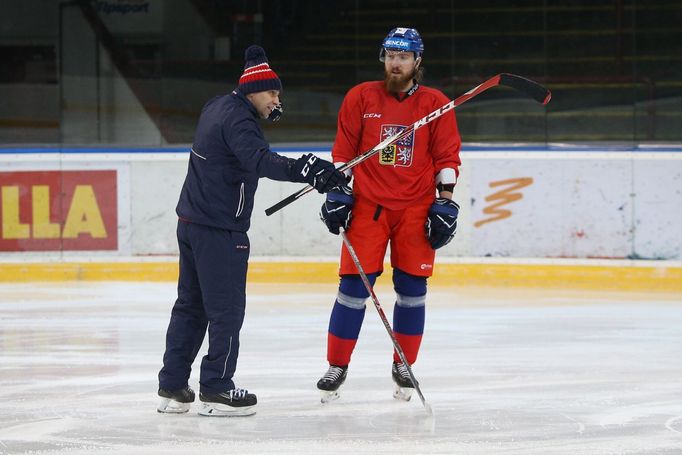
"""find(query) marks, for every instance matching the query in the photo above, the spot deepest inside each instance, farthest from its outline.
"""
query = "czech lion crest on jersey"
(400, 153)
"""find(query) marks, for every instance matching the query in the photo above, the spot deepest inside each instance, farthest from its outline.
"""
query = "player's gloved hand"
(336, 210)
(441, 222)
(318, 173)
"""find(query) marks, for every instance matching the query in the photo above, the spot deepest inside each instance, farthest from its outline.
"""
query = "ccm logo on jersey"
(371, 115)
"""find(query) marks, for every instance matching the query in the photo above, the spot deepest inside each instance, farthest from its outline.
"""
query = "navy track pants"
(211, 294)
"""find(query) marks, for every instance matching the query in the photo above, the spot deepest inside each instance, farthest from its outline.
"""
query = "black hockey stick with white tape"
(530, 88)
(387, 325)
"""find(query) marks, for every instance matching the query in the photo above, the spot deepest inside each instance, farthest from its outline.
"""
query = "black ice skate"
(175, 401)
(403, 386)
(235, 402)
(331, 381)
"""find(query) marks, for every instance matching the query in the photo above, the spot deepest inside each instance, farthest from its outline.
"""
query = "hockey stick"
(530, 88)
(382, 315)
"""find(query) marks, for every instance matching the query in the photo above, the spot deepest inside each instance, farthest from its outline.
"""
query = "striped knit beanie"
(257, 76)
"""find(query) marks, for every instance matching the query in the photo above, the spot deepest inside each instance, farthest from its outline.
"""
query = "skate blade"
(329, 395)
(168, 406)
(223, 410)
(402, 393)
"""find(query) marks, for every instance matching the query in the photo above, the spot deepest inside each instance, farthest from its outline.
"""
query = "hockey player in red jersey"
(402, 197)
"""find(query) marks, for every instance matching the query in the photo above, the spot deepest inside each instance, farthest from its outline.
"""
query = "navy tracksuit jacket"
(228, 156)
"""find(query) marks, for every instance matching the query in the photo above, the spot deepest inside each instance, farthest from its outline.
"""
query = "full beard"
(398, 82)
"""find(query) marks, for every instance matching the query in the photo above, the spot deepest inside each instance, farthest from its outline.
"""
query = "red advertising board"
(58, 210)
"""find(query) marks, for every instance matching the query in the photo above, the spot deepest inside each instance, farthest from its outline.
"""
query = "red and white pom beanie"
(257, 76)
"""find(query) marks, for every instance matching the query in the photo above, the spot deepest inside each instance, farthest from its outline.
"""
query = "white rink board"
(577, 208)
(658, 209)
(573, 203)
(579, 205)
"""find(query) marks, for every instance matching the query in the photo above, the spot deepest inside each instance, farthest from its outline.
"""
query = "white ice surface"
(512, 372)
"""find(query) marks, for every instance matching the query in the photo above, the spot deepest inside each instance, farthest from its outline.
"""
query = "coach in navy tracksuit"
(228, 157)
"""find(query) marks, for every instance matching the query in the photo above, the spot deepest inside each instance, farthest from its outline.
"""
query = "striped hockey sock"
(346, 319)
(408, 327)
(344, 329)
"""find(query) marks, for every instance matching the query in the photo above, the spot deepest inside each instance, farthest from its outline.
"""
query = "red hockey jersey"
(404, 174)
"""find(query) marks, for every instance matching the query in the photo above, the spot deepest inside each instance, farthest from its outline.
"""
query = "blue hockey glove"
(441, 222)
(318, 173)
(336, 210)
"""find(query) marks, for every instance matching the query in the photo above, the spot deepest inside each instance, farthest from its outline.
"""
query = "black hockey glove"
(441, 222)
(318, 173)
(336, 210)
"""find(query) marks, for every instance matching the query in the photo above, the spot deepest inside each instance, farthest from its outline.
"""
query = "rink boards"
(97, 213)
